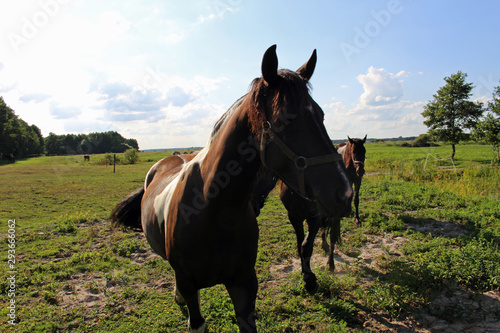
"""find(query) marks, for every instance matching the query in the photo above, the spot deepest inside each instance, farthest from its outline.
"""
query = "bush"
(423, 140)
(131, 156)
(108, 159)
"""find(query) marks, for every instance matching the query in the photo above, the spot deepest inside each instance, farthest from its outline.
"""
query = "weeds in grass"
(474, 265)
(126, 247)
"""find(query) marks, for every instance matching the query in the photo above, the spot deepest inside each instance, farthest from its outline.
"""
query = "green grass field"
(426, 253)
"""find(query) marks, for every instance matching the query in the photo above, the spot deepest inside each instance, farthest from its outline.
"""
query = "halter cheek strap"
(301, 163)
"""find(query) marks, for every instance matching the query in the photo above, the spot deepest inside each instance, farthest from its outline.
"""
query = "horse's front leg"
(186, 294)
(306, 254)
(243, 296)
(303, 244)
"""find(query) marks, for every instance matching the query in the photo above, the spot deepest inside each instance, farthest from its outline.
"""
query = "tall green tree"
(451, 112)
(7, 122)
(54, 144)
(488, 129)
(16, 136)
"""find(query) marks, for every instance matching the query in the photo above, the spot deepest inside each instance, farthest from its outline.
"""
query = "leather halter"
(359, 164)
(301, 163)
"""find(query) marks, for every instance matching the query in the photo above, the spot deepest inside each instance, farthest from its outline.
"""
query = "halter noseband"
(359, 164)
(301, 163)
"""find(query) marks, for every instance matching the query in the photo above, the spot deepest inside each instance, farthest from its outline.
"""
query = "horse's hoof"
(325, 248)
(357, 221)
(200, 329)
(330, 266)
(312, 288)
(178, 298)
(311, 283)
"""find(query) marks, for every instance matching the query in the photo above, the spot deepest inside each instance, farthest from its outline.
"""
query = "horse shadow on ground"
(436, 228)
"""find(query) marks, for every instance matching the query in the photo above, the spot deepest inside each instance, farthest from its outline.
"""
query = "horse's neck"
(266, 181)
(230, 168)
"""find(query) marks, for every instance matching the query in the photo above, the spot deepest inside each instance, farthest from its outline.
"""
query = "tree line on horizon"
(92, 143)
(18, 139)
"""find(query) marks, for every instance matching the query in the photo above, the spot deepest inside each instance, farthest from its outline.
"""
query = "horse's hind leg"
(243, 296)
(298, 226)
(334, 238)
(356, 186)
(324, 243)
(185, 293)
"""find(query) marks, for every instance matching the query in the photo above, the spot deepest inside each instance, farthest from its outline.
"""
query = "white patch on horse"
(162, 201)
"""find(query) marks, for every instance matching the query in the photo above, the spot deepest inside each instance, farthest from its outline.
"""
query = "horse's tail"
(331, 226)
(128, 211)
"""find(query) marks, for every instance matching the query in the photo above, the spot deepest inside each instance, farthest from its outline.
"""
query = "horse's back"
(341, 148)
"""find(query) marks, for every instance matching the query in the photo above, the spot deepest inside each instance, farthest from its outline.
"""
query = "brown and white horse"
(196, 211)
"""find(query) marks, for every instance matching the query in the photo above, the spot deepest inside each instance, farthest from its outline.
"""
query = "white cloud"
(34, 97)
(63, 112)
(381, 87)
(380, 111)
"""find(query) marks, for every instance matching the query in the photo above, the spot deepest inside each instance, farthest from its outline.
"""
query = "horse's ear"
(270, 66)
(307, 69)
(350, 140)
(364, 139)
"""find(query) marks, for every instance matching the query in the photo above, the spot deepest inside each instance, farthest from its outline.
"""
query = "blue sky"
(164, 71)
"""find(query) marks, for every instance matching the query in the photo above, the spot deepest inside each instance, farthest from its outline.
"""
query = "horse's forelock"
(290, 89)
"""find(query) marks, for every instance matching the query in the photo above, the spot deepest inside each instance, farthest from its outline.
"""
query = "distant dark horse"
(196, 211)
(300, 209)
(353, 151)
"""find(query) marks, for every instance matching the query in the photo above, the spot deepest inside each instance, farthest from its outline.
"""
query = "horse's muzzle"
(346, 200)
(339, 204)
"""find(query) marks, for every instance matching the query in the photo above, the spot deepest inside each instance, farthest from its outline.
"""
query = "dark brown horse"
(353, 152)
(196, 211)
(300, 209)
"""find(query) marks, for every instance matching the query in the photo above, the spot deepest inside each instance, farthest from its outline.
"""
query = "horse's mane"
(290, 88)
